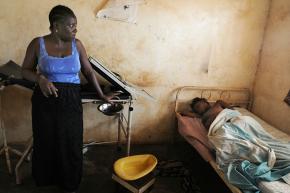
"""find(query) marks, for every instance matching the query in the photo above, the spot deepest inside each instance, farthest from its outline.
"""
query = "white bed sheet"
(275, 186)
(269, 128)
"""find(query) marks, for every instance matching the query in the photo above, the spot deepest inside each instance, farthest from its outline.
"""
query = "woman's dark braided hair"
(59, 13)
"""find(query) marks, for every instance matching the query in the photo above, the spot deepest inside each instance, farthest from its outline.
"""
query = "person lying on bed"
(201, 108)
(245, 152)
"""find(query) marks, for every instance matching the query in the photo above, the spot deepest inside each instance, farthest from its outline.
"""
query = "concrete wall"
(273, 78)
(174, 43)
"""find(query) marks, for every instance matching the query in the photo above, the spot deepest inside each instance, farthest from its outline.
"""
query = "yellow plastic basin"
(135, 167)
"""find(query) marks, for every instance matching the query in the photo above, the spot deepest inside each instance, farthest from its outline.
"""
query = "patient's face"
(201, 107)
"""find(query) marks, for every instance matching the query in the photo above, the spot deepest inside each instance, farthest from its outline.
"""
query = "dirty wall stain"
(146, 79)
(281, 14)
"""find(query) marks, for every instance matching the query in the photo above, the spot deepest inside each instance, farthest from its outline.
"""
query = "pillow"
(195, 133)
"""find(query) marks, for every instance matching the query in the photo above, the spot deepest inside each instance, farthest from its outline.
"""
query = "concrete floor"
(98, 162)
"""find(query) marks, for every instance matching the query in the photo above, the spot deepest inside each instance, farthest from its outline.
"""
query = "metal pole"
(120, 115)
(130, 113)
(25, 154)
(5, 148)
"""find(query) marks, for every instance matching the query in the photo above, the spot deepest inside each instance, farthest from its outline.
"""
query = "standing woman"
(54, 62)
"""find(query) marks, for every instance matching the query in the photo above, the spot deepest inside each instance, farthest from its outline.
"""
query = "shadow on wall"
(287, 99)
(159, 126)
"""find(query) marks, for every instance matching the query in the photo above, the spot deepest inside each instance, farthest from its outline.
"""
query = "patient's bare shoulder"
(211, 114)
(222, 104)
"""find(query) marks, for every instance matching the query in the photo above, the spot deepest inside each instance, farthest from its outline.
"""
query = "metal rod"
(121, 122)
(25, 154)
(209, 90)
(100, 101)
(123, 129)
(130, 114)
(119, 128)
(5, 147)
(98, 143)
(124, 118)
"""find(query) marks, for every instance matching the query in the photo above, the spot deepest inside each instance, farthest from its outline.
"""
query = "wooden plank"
(136, 186)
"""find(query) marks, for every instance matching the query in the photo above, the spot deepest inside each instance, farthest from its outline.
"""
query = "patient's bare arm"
(223, 104)
(190, 114)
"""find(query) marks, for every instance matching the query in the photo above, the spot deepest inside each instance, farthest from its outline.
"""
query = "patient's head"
(199, 105)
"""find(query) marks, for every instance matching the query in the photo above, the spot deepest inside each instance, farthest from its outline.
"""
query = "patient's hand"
(190, 114)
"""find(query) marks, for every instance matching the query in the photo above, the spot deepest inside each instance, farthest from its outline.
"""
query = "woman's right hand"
(107, 99)
(110, 96)
(47, 88)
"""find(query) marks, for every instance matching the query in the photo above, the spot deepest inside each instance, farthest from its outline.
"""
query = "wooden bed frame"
(234, 96)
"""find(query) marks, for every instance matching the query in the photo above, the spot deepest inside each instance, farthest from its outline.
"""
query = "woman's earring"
(56, 31)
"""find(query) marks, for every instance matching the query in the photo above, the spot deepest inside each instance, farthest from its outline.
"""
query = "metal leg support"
(5, 149)
(25, 154)
(130, 113)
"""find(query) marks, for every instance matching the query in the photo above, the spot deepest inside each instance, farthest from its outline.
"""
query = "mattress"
(195, 134)
(269, 128)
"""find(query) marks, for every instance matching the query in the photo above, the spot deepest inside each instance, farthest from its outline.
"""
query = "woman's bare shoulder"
(78, 42)
(34, 42)
(33, 46)
(79, 45)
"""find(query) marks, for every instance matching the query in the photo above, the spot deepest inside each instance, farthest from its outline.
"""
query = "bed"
(192, 130)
